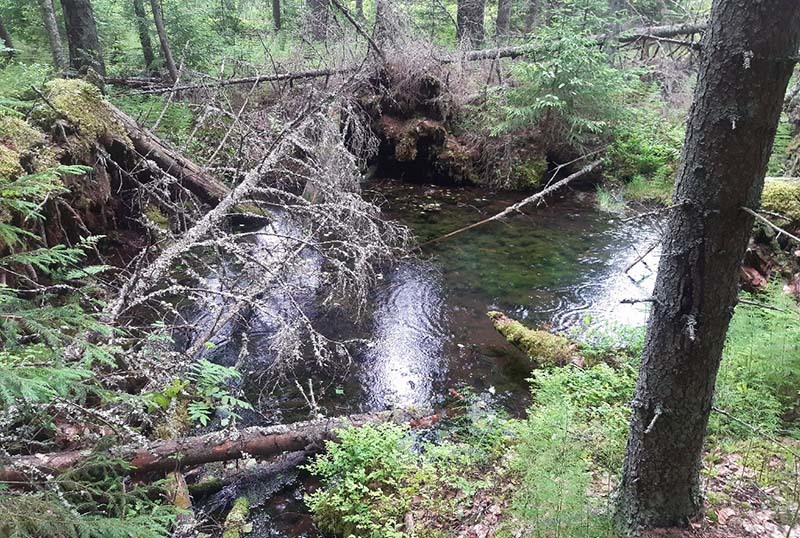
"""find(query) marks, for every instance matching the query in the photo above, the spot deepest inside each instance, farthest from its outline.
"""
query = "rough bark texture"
(5, 37)
(166, 49)
(166, 456)
(276, 14)
(503, 21)
(469, 22)
(143, 29)
(84, 43)
(53, 34)
(746, 65)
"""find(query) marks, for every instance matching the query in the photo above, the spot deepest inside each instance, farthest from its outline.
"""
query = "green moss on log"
(236, 522)
(83, 108)
(542, 347)
(782, 197)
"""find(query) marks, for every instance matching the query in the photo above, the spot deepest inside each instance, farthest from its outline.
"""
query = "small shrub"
(367, 482)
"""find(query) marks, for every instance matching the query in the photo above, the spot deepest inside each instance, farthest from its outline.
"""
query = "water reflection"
(404, 354)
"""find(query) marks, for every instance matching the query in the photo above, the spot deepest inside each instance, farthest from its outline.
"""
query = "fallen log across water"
(170, 161)
(174, 454)
(516, 207)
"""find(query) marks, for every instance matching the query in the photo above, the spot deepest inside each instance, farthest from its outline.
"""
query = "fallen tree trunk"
(635, 34)
(516, 207)
(258, 79)
(629, 36)
(151, 147)
(166, 456)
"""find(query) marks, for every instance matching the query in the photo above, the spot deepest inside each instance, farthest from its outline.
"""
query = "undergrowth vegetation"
(565, 457)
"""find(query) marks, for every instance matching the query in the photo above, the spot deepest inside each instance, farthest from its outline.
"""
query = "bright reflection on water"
(404, 354)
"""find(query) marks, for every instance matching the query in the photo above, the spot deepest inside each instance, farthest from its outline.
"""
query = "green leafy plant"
(367, 479)
(204, 391)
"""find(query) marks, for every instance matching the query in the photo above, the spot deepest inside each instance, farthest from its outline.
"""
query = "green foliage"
(552, 462)
(367, 482)
(205, 391)
(89, 501)
(542, 347)
(644, 156)
(572, 93)
(760, 371)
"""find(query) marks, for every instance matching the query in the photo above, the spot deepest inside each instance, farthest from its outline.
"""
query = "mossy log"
(236, 521)
(542, 347)
(782, 197)
(169, 455)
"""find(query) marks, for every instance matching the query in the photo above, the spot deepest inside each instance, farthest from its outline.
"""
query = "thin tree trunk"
(276, 14)
(360, 8)
(143, 29)
(53, 34)
(531, 15)
(469, 22)
(748, 59)
(6, 38)
(166, 50)
(318, 13)
(84, 44)
(503, 22)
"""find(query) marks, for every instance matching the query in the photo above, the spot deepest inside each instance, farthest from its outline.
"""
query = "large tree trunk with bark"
(748, 56)
(143, 29)
(84, 43)
(53, 34)
(165, 456)
(5, 37)
(503, 21)
(469, 22)
(166, 49)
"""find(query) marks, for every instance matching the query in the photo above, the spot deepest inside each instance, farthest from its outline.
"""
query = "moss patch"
(83, 107)
(782, 197)
(541, 346)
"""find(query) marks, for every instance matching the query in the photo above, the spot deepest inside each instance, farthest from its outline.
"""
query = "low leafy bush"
(367, 481)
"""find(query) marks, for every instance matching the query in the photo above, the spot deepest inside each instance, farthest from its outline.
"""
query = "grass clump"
(541, 346)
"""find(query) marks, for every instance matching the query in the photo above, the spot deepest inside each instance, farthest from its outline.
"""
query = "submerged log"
(166, 456)
(194, 178)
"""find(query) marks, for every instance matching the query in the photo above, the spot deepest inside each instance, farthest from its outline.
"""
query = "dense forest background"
(203, 205)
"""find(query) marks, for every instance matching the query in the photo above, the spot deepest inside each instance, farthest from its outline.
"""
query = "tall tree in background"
(6, 38)
(53, 34)
(503, 22)
(276, 14)
(469, 22)
(360, 8)
(531, 14)
(143, 29)
(84, 44)
(749, 51)
(318, 13)
(166, 50)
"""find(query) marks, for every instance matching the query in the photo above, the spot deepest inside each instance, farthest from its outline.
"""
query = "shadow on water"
(560, 265)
